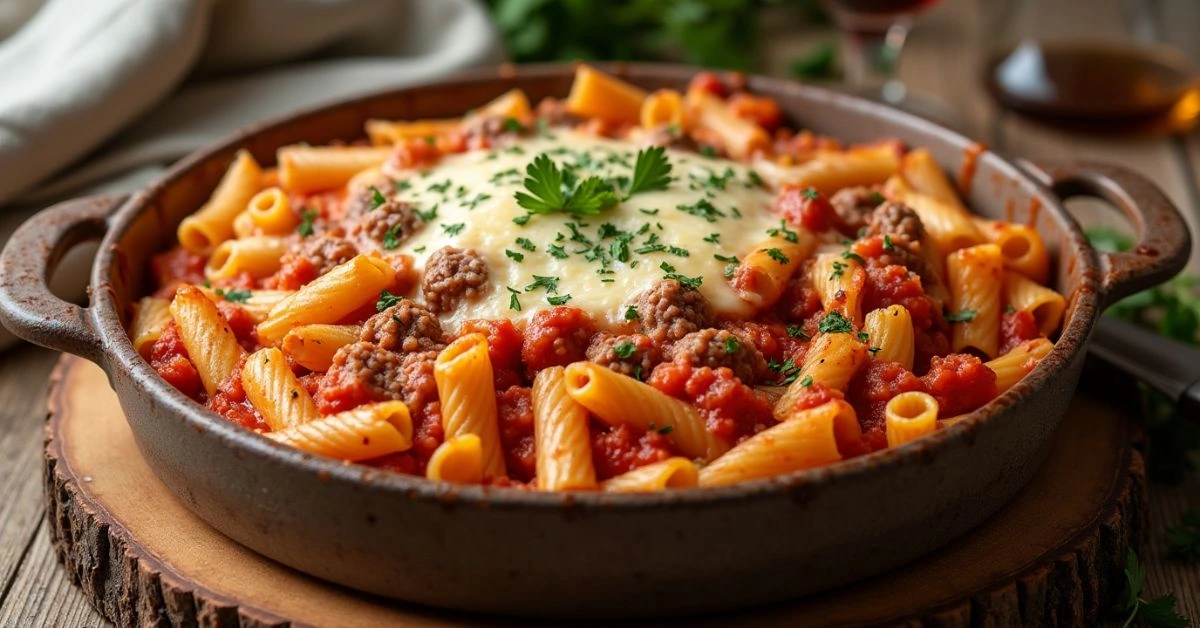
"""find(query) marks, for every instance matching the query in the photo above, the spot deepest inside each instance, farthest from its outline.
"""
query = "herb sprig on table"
(1159, 612)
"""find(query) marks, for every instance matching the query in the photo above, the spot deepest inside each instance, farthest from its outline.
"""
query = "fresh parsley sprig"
(651, 171)
(546, 191)
(1183, 540)
(1158, 612)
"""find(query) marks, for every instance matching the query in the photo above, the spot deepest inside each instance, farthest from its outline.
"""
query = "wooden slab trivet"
(1051, 557)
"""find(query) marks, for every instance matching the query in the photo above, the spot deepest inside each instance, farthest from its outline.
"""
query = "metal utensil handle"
(1170, 367)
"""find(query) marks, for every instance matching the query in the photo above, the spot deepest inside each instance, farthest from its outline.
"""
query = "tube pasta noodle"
(365, 432)
(1045, 305)
(330, 297)
(259, 256)
(561, 435)
(925, 176)
(459, 460)
(1022, 248)
(1018, 362)
(258, 305)
(272, 212)
(274, 391)
(740, 137)
(511, 104)
(212, 224)
(950, 227)
(598, 95)
(890, 333)
(807, 439)
(305, 169)
(908, 416)
(670, 473)
(149, 320)
(386, 132)
(839, 282)
(832, 360)
(209, 341)
(664, 106)
(761, 278)
(244, 227)
(831, 172)
(976, 277)
(619, 400)
(313, 346)
(468, 395)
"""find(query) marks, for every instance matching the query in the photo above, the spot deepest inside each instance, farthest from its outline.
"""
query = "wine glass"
(873, 33)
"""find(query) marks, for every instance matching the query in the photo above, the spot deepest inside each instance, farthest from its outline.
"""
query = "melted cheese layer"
(712, 211)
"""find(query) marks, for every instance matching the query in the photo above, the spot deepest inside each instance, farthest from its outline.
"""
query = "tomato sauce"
(869, 393)
(556, 337)
(732, 410)
(960, 383)
(616, 450)
(515, 410)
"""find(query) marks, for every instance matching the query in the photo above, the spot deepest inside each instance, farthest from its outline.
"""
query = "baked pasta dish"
(617, 290)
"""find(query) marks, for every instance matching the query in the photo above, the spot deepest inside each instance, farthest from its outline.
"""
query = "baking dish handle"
(1163, 242)
(27, 306)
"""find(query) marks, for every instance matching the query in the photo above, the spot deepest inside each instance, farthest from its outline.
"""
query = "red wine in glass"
(875, 16)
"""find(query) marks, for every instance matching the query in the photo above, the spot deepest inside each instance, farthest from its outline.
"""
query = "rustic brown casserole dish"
(586, 554)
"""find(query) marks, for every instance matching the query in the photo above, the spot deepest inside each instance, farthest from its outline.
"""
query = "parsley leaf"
(545, 186)
(391, 237)
(307, 217)
(631, 313)
(549, 284)
(796, 332)
(625, 350)
(651, 171)
(964, 316)
(426, 216)
(234, 296)
(454, 229)
(777, 255)
(558, 300)
(514, 256)
(807, 381)
(887, 243)
(788, 371)
(513, 302)
(1183, 540)
(835, 323)
(513, 125)
(732, 345)
(1159, 612)
(526, 244)
(851, 255)
(386, 300)
(377, 198)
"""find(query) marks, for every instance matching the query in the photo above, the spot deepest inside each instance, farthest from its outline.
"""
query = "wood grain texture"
(1051, 557)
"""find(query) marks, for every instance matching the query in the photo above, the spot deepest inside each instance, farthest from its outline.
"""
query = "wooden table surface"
(941, 60)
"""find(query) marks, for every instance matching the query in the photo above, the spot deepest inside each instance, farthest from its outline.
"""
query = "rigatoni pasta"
(618, 291)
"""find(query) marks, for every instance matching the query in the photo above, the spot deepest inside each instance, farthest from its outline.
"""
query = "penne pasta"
(561, 435)
(808, 439)
(976, 277)
(304, 169)
(330, 297)
(150, 317)
(949, 226)
(741, 138)
(212, 224)
(244, 227)
(368, 431)
(387, 132)
(464, 382)
(1045, 305)
(670, 473)
(615, 400)
(1021, 246)
(458, 460)
(274, 391)
(511, 104)
(839, 281)
(831, 172)
(1018, 362)
(832, 360)
(598, 95)
(272, 213)
(257, 256)
(663, 107)
(908, 416)
(925, 176)
(313, 346)
(890, 335)
(210, 343)
(761, 278)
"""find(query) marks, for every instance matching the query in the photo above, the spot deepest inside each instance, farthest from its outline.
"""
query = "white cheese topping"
(712, 211)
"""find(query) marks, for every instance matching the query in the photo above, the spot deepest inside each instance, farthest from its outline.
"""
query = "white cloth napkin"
(101, 95)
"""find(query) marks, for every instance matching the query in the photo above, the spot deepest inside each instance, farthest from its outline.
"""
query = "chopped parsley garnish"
(807, 381)
(513, 125)
(732, 345)
(965, 316)
(522, 219)
(1008, 309)
(440, 188)
(526, 244)
(835, 323)
(714, 238)
(887, 243)
(877, 198)
(419, 249)
(702, 209)
(777, 255)
(666, 429)
(559, 300)
(680, 252)
(851, 255)
(755, 179)
(625, 350)
(545, 184)
(649, 212)
(783, 232)
(479, 198)
(651, 171)
(549, 284)
(863, 336)
(788, 371)
(631, 313)
(556, 251)
(234, 296)
(307, 217)
(513, 302)
(386, 300)
(403, 185)
(874, 350)
(513, 255)
(454, 229)
(391, 237)
(377, 198)
(810, 193)
(428, 215)
(796, 332)
(708, 151)
(838, 269)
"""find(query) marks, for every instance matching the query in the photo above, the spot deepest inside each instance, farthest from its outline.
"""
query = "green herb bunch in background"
(711, 33)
